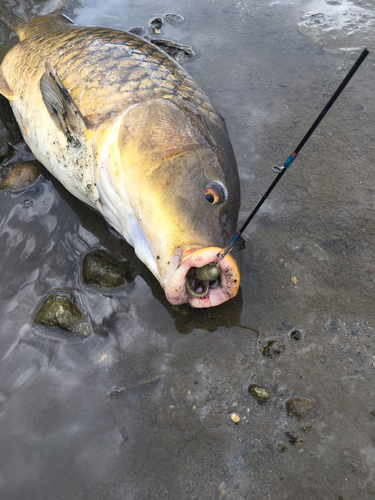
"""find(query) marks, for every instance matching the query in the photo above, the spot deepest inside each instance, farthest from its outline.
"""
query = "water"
(308, 265)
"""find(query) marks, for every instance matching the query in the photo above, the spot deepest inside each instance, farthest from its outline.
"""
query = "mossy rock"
(59, 310)
(101, 269)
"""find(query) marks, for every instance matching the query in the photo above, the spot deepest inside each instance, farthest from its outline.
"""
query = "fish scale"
(135, 61)
(126, 130)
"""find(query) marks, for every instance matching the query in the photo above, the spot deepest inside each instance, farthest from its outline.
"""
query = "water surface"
(308, 264)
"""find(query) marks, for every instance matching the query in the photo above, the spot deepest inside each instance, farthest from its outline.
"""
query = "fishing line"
(281, 170)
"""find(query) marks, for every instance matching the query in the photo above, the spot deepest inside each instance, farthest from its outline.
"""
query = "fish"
(127, 131)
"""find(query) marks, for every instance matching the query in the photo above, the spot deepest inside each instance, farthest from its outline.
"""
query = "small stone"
(137, 31)
(373, 412)
(173, 48)
(302, 407)
(296, 334)
(19, 175)
(174, 18)
(281, 447)
(294, 438)
(59, 310)
(306, 428)
(272, 348)
(261, 394)
(101, 269)
(235, 418)
(156, 25)
(294, 280)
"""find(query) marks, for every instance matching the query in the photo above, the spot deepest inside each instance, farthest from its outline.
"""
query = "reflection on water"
(307, 265)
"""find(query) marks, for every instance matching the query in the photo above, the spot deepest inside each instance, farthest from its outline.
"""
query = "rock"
(272, 348)
(156, 24)
(302, 407)
(235, 418)
(296, 334)
(137, 31)
(59, 310)
(281, 447)
(101, 269)
(19, 175)
(174, 18)
(261, 394)
(173, 48)
(294, 438)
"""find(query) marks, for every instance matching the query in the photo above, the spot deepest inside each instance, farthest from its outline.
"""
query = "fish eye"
(215, 193)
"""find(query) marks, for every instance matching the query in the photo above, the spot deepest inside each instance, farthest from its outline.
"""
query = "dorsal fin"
(44, 24)
(62, 108)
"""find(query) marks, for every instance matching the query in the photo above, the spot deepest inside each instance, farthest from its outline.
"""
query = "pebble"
(296, 334)
(272, 348)
(156, 25)
(281, 447)
(261, 394)
(302, 407)
(174, 18)
(235, 418)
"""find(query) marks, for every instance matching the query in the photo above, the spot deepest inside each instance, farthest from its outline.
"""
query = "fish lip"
(199, 256)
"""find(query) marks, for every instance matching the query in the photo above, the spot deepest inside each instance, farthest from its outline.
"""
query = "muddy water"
(308, 265)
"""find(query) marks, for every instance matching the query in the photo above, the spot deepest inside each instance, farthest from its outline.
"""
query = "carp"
(127, 131)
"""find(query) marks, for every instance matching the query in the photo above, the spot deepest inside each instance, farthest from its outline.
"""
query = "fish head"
(181, 183)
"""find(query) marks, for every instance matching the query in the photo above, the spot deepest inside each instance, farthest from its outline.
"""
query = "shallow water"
(308, 264)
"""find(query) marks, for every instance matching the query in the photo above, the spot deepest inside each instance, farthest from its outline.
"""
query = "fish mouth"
(222, 289)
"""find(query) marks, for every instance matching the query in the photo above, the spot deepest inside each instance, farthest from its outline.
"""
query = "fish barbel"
(126, 130)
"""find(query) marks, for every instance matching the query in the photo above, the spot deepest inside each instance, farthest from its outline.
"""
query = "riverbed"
(143, 408)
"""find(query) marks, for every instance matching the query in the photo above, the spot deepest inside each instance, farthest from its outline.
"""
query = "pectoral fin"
(5, 90)
(62, 108)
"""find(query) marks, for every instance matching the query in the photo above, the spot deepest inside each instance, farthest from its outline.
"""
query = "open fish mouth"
(183, 287)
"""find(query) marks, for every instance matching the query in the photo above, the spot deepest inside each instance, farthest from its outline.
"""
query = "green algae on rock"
(102, 270)
(59, 310)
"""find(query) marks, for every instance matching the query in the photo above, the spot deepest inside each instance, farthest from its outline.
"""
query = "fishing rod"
(281, 170)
